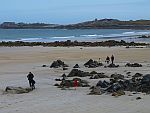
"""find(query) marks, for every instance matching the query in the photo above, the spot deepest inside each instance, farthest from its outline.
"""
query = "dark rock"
(137, 75)
(57, 79)
(117, 76)
(133, 65)
(146, 78)
(93, 72)
(128, 73)
(44, 66)
(79, 73)
(92, 64)
(98, 75)
(138, 98)
(64, 75)
(112, 66)
(76, 66)
(57, 64)
(103, 84)
(56, 84)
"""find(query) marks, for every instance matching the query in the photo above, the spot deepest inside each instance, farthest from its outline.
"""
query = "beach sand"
(16, 62)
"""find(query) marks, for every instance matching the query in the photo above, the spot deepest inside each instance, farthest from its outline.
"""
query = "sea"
(52, 35)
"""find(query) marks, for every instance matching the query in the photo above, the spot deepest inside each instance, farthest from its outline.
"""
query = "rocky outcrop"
(76, 66)
(98, 75)
(117, 87)
(137, 75)
(133, 65)
(58, 63)
(70, 83)
(117, 76)
(17, 90)
(78, 73)
(113, 66)
(92, 64)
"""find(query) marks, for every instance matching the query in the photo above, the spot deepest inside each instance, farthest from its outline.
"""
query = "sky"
(72, 11)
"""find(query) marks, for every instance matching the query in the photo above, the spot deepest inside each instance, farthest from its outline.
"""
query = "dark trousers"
(31, 83)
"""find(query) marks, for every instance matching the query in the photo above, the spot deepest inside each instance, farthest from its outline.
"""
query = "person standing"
(30, 77)
(107, 59)
(112, 59)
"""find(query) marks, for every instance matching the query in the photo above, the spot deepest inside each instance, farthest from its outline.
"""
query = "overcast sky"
(72, 11)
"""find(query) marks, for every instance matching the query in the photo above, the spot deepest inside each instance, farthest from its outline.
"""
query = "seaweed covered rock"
(57, 64)
(92, 64)
(78, 73)
(17, 90)
(133, 65)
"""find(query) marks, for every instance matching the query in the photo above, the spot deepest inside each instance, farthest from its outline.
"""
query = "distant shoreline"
(94, 24)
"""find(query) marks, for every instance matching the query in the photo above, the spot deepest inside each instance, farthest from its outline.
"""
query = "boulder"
(137, 75)
(112, 66)
(17, 90)
(133, 65)
(98, 75)
(76, 66)
(117, 76)
(78, 73)
(57, 64)
(92, 64)
(103, 84)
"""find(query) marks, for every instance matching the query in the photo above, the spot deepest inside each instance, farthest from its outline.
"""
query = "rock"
(57, 79)
(103, 84)
(92, 64)
(57, 64)
(117, 76)
(78, 73)
(17, 90)
(137, 75)
(56, 84)
(96, 90)
(133, 65)
(64, 75)
(98, 75)
(70, 83)
(44, 66)
(76, 66)
(146, 79)
(93, 72)
(138, 98)
(112, 66)
(128, 73)
(118, 93)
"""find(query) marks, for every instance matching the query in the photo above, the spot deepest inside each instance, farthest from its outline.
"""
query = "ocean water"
(51, 35)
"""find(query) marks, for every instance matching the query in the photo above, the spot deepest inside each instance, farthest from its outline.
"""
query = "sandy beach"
(16, 62)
